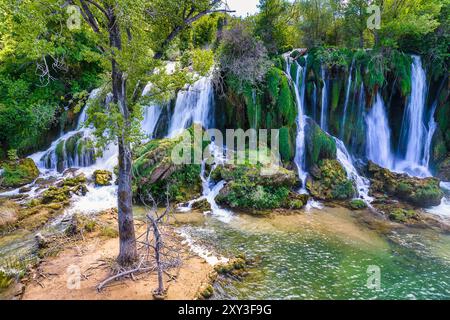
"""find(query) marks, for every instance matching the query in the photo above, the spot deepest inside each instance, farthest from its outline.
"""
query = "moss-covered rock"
(319, 144)
(250, 188)
(419, 192)
(102, 178)
(55, 194)
(357, 204)
(328, 181)
(156, 174)
(202, 205)
(403, 215)
(18, 173)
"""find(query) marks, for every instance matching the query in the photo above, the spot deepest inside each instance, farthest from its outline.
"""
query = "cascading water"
(347, 96)
(362, 183)
(152, 113)
(324, 106)
(432, 126)
(195, 105)
(299, 89)
(71, 150)
(414, 131)
(378, 135)
(210, 188)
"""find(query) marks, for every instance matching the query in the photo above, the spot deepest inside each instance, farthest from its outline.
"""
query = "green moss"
(357, 204)
(286, 104)
(402, 215)
(18, 173)
(71, 145)
(55, 194)
(319, 144)
(286, 148)
(109, 232)
(156, 174)
(273, 79)
(59, 151)
(335, 94)
(329, 181)
(247, 195)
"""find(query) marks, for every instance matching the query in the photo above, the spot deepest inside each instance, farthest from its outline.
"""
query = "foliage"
(243, 56)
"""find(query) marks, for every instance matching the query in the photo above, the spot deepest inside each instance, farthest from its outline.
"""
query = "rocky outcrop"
(422, 193)
(328, 181)
(250, 187)
(443, 169)
(156, 174)
(319, 144)
(18, 173)
(102, 178)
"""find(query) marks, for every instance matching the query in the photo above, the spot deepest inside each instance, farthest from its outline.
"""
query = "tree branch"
(188, 21)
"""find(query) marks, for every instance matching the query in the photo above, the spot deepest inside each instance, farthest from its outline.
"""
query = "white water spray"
(379, 135)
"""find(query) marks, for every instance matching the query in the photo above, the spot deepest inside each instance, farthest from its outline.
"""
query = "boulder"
(250, 187)
(18, 173)
(155, 173)
(328, 181)
(419, 192)
(102, 178)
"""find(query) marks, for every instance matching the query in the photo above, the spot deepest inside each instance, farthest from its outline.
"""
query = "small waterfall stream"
(378, 135)
(194, 105)
(324, 104)
(347, 96)
(299, 84)
(362, 183)
(414, 131)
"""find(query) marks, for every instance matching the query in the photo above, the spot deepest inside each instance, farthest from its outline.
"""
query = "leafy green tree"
(273, 24)
(130, 37)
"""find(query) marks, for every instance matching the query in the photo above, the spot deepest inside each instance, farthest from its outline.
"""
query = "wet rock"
(202, 205)
(55, 194)
(24, 189)
(422, 193)
(41, 241)
(328, 181)
(102, 177)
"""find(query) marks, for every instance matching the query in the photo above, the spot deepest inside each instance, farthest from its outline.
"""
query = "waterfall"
(324, 112)
(195, 105)
(72, 149)
(299, 89)
(432, 126)
(378, 135)
(414, 134)
(362, 183)
(210, 188)
(347, 95)
(152, 113)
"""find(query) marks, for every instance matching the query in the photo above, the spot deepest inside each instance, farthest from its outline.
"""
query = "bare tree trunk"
(127, 237)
